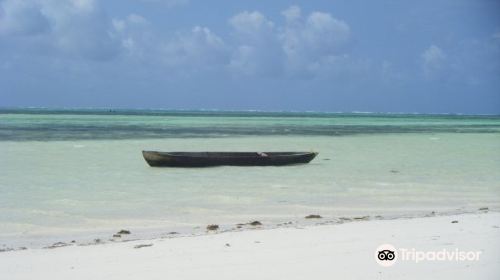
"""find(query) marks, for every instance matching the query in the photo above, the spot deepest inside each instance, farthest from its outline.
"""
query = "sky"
(439, 56)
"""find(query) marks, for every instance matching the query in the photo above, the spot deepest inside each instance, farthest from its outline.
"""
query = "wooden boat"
(205, 159)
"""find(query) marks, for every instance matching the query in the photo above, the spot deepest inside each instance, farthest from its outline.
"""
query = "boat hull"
(206, 159)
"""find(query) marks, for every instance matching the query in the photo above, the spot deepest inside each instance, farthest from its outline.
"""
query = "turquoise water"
(45, 125)
(78, 173)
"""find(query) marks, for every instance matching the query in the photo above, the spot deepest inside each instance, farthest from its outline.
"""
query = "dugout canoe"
(205, 159)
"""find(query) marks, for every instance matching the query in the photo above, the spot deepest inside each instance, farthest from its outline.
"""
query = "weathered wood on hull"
(205, 159)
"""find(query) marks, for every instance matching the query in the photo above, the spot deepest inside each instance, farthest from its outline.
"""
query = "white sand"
(343, 251)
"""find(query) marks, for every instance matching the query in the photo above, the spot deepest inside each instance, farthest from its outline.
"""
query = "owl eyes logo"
(385, 255)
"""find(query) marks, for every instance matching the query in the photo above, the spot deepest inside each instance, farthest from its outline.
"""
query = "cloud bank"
(303, 46)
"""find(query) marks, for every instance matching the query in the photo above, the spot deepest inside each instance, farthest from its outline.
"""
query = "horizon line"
(117, 109)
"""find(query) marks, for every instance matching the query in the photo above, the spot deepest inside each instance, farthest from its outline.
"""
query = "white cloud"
(313, 41)
(135, 36)
(324, 32)
(302, 47)
(251, 25)
(76, 27)
(257, 50)
(432, 60)
(22, 18)
(83, 30)
(200, 48)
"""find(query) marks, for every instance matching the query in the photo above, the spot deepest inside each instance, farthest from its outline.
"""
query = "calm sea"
(71, 174)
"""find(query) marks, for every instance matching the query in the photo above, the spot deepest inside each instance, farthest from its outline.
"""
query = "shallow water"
(55, 182)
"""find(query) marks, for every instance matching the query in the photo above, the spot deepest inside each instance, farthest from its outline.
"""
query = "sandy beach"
(342, 251)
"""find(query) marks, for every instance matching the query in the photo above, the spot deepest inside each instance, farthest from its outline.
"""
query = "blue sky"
(378, 56)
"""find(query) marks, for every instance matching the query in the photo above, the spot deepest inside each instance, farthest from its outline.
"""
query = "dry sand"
(344, 251)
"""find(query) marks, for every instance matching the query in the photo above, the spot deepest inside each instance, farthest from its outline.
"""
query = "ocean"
(79, 174)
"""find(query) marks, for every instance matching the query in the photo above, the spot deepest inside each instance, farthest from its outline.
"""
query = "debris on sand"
(6, 249)
(431, 214)
(255, 223)
(454, 222)
(116, 235)
(483, 209)
(313, 216)
(123, 231)
(228, 245)
(57, 245)
(212, 227)
(142, 246)
(363, 218)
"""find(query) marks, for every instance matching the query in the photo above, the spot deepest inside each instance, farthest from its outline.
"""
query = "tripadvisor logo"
(387, 255)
